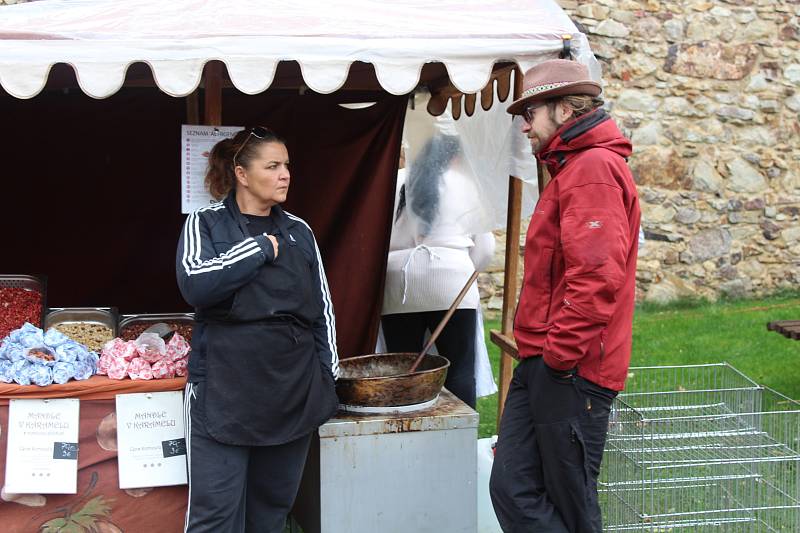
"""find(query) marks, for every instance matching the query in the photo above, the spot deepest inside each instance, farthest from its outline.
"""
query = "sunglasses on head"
(256, 131)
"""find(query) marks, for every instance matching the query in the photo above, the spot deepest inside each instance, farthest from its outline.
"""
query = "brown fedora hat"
(556, 77)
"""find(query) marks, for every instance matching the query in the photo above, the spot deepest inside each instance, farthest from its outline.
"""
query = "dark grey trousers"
(234, 489)
(552, 435)
(405, 332)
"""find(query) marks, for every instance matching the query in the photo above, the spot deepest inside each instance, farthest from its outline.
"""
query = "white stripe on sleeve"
(330, 319)
(192, 242)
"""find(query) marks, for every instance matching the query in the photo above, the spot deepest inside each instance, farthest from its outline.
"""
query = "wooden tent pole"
(510, 288)
(212, 105)
(193, 108)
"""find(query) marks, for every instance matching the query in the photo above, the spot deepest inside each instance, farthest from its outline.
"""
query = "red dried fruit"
(40, 354)
(132, 331)
(18, 306)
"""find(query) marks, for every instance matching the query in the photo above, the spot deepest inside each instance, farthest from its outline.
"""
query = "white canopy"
(100, 39)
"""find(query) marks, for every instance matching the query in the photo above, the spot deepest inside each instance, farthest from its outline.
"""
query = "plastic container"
(487, 521)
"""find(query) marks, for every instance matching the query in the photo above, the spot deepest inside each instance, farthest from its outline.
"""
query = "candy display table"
(99, 504)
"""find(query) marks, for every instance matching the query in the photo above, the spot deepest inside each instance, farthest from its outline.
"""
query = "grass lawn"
(689, 333)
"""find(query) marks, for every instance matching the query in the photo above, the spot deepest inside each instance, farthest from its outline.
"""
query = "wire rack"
(701, 448)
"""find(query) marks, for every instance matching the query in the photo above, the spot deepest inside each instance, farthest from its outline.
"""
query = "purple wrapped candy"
(91, 359)
(63, 372)
(88, 355)
(40, 375)
(70, 351)
(53, 338)
(14, 352)
(19, 372)
(26, 329)
(5, 371)
(28, 355)
(83, 370)
(31, 340)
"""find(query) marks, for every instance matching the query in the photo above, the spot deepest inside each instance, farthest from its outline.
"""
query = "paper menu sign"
(151, 448)
(196, 144)
(42, 453)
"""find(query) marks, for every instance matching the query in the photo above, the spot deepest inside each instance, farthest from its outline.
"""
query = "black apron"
(265, 383)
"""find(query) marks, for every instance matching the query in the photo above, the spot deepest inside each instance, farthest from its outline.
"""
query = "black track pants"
(234, 489)
(552, 435)
(404, 332)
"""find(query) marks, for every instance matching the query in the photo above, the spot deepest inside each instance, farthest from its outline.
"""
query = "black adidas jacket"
(216, 257)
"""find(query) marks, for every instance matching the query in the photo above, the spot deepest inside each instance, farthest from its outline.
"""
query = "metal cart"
(701, 448)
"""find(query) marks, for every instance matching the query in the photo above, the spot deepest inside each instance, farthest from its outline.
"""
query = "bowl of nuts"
(90, 326)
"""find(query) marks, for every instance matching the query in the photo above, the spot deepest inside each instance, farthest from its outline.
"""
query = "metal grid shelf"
(706, 438)
(718, 503)
(701, 448)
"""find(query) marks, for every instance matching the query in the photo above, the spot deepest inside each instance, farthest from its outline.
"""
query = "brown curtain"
(92, 196)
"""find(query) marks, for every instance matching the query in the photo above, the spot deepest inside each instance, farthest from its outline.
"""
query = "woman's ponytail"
(220, 178)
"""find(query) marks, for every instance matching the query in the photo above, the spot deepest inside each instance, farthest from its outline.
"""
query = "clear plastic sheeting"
(100, 39)
(584, 55)
(456, 179)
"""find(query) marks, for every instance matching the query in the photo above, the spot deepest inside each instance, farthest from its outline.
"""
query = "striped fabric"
(327, 304)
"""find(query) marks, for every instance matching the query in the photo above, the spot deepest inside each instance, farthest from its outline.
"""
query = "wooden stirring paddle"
(443, 323)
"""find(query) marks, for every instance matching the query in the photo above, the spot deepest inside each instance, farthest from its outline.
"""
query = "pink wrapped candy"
(177, 348)
(120, 349)
(112, 345)
(181, 367)
(129, 351)
(140, 369)
(163, 369)
(117, 368)
(150, 347)
(104, 362)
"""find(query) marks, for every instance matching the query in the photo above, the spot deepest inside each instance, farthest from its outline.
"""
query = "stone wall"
(708, 92)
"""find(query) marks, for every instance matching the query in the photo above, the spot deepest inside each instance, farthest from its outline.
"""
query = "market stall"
(95, 91)
(99, 505)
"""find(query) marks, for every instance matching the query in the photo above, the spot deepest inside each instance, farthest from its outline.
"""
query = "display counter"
(413, 471)
(393, 473)
(99, 505)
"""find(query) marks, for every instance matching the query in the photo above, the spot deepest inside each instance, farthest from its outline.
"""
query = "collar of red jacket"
(592, 130)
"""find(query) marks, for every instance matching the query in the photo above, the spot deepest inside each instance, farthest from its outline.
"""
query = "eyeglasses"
(256, 131)
(527, 113)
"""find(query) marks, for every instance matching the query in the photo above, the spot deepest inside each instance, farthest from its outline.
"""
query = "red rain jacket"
(576, 305)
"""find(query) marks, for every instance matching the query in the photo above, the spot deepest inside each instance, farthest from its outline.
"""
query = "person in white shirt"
(431, 258)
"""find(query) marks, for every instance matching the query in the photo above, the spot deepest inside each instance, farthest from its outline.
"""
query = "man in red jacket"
(574, 317)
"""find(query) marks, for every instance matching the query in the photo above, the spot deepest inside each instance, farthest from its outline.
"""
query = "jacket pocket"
(595, 357)
(537, 291)
(602, 346)
(563, 450)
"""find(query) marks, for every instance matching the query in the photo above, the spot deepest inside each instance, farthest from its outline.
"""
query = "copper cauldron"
(383, 380)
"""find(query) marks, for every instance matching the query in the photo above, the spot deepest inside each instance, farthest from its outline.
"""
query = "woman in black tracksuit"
(263, 360)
